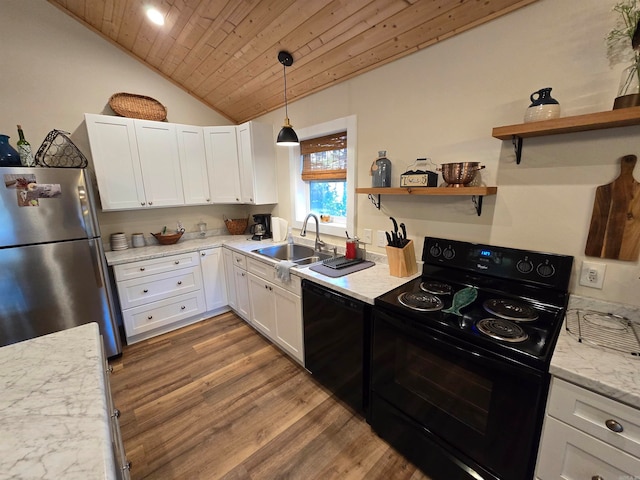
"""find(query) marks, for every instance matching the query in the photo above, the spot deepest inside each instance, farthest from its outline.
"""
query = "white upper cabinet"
(141, 163)
(256, 149)
(158, 150)
(116, 162)
(222, 163)
(193, 165)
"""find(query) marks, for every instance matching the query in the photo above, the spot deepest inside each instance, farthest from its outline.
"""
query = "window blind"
(324, 158)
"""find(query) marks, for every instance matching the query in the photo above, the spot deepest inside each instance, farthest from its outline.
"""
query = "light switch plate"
(381, 239)
(366, 236)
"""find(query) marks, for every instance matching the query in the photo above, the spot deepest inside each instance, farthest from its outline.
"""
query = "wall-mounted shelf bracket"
(517, 146)
(373, 200)
(477, 202)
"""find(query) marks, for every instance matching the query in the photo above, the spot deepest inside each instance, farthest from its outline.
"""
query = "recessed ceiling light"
(155, 16)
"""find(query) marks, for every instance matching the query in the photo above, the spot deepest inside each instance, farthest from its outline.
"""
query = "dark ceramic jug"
(544, 98)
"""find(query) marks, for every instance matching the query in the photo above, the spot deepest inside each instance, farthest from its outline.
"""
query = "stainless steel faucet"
(303, 232)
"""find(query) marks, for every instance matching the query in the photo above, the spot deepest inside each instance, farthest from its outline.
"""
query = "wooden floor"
(215, 400)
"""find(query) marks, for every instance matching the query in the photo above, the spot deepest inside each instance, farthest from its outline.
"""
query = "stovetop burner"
(424, 302)
(501, 329)
(436, 288)
(510, 310)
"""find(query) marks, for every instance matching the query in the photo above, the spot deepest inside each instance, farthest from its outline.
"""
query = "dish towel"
(283, 270)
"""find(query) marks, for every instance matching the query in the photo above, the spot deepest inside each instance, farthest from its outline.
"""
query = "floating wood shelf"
(623, 117)
(476, 193)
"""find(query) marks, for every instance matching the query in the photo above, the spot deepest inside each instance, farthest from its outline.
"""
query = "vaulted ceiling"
(224, 52)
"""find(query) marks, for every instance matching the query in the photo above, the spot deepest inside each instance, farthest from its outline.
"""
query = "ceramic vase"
(629, 89)
(543, 106)
(9, 157)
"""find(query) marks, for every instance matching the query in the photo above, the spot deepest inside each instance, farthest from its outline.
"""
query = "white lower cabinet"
(243, 304)
(213, 278)
(229, 274)
(162, 294)
(276, 307)
(588, 436)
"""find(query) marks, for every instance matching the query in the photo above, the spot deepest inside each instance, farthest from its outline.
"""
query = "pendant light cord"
(284, 71)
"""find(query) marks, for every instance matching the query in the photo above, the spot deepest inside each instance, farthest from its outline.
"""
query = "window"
(323, 176)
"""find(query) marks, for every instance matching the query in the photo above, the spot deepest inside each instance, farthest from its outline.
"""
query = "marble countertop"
(612, 374)
(53, 408)
(364, 285)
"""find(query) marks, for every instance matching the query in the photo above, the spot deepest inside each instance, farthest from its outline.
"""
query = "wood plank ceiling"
(224, 52)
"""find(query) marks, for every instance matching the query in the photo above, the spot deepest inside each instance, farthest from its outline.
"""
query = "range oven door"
(484, 411)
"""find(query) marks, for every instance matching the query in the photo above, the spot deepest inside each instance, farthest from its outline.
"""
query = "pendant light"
(287, 136)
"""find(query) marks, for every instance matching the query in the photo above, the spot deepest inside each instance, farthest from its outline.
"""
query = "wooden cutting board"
(615, 222)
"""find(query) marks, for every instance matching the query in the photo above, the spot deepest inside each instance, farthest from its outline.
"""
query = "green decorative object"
(461, 299)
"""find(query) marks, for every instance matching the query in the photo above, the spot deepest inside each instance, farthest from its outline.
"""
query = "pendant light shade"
(287, 136)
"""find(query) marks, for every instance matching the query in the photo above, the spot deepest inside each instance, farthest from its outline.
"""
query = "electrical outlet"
(366, 236)
(382, 239)
(592, 274)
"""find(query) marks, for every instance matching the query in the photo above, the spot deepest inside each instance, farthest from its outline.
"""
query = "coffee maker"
(261, 227)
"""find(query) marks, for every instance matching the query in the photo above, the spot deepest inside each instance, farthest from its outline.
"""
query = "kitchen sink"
(299, 254)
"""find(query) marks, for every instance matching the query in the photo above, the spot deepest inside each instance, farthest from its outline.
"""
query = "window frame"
(299, 189)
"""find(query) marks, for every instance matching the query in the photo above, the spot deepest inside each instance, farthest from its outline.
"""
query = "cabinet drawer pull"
(177, 262)
(149, 317)
(142, 203)
(614, 426)
(238, 260)
(150, 203)
(145, 290)
(116, 413)
(203, 254)
(142, 269)
(597, 477)
(266, 286)
(179, 282)
(182, 307)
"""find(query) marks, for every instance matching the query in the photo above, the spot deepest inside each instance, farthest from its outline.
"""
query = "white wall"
(441, 103)
(444, 101)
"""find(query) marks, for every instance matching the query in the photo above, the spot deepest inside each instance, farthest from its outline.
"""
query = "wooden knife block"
(402, 261)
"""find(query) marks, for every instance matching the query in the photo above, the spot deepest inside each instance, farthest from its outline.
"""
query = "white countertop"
(53, 408)
(612, 374)
(364, 285)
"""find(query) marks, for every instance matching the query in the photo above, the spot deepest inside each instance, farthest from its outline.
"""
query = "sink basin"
(300, 254)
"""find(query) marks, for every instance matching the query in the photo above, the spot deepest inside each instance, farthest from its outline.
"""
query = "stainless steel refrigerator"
(53, 273)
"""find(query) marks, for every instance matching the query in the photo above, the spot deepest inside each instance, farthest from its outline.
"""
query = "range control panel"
(548, 269)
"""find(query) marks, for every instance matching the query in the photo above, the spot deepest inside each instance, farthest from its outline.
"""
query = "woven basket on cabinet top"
(137, 106)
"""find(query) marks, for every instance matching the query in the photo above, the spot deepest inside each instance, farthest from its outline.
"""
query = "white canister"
(137, 240)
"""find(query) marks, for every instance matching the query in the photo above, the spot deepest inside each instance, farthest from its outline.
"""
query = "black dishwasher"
(337, 333)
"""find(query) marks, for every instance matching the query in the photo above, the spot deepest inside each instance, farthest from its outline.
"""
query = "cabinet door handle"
(142, 203)
(142, 269)
(266, 286)
(242, 274)
(145, 290)
(116, 413)
(177, 262)
(126, 466)
(179, 282)
(150, 203)
(271, 289)
(203, 254)
(597, 477)
(182, 307)
(614, 426)
(149, 317)
(208, 200)
(110, 369)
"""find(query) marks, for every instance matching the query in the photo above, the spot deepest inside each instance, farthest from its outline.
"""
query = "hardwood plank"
(217, 400)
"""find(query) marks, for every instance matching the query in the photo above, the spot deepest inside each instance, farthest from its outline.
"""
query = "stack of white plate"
(119, 241)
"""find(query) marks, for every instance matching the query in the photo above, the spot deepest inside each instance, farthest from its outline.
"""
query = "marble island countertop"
(610, 373)
(364, 285)
(53, 408)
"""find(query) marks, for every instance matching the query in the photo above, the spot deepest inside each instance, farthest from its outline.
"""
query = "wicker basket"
(137, 106)
(167, 239)
(237, 226)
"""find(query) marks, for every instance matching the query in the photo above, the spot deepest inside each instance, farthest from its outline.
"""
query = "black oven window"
(456, 391)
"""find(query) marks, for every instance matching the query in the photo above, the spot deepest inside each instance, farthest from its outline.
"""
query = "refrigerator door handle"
(87, 213)
(96, 259)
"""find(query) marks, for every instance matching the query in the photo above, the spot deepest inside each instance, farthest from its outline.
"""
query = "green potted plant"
(623, 45)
